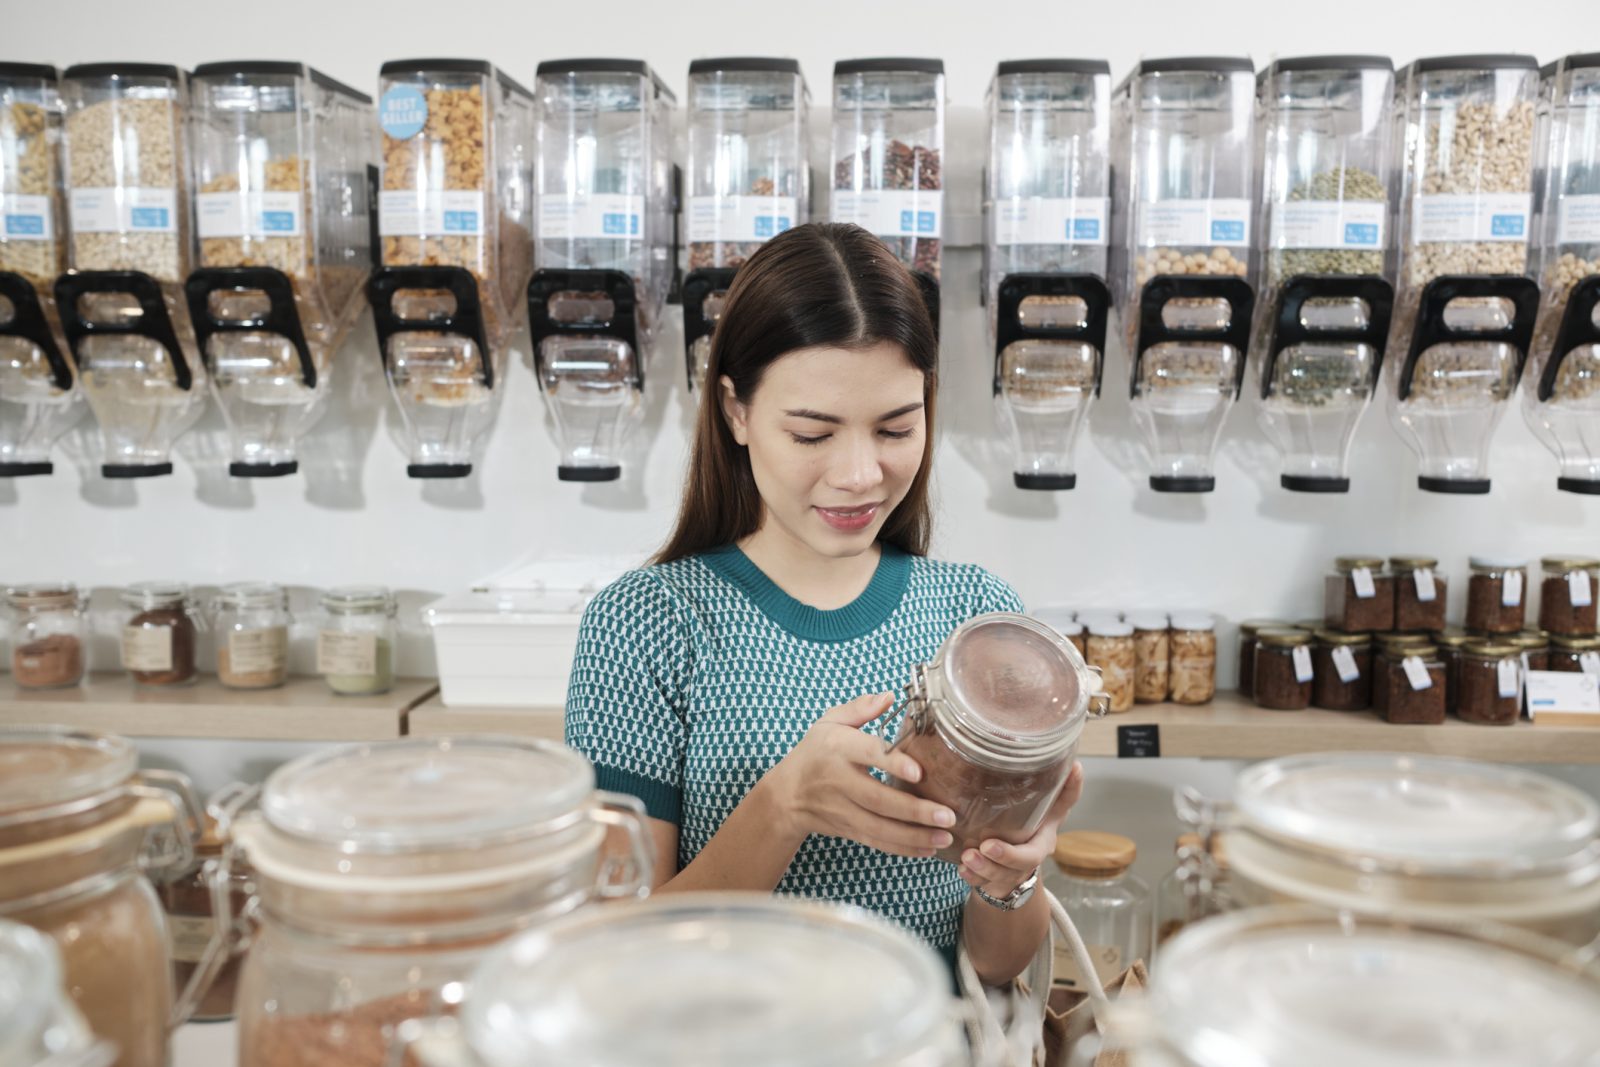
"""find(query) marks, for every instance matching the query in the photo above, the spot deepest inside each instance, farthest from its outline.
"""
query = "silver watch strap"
(1014, 899)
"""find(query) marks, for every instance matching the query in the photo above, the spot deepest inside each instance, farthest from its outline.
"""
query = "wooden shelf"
(1228, 728)
(302, 710)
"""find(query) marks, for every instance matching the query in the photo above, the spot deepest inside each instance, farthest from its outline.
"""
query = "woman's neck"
(823, 582)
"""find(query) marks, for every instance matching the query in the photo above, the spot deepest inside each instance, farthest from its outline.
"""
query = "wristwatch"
(1014, 899)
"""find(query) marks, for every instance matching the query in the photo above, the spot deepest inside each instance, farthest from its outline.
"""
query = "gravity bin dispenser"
(749, 179)
(1464, 303)
(281, 213)
(1182, 141)
(128, 253)
(1561, 400)
(454, 248)
(1322, 320)
(1047, 227)
(39, 395)
(605, 253)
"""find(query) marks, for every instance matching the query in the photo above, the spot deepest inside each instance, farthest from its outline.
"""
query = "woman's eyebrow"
(817, 416)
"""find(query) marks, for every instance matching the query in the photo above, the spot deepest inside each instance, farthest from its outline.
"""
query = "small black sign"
(1139, 742)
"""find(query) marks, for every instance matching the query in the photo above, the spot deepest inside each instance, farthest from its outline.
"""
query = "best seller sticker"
(403, 111)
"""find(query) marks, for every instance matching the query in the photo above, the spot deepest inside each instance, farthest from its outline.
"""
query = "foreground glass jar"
(356, 647)
(253, 636)
(994, 722)
(386, 872)
(694, 980)
(48, 635)
(79, 829)
(1109, 905)
(1423, 836)
(1293, 987)
(39, 1027)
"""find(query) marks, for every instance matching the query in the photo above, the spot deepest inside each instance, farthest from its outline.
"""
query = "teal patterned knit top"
(694, 678)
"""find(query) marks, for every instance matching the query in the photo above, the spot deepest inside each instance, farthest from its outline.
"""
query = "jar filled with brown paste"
(1575, 654)
(1341, 666)
(1567, 595)
(994, 722)
(1413, 685)
(1535, 648)
(1358, 597)
(1111, 651)
(1152, 657)
(1450, 642)
(1419, 593)
(48, 635)
(1247, 649)
(160, 635)
(1491, 684)
(1283, 669)
(1496, 595)
(1194, 658)
(1389, 649)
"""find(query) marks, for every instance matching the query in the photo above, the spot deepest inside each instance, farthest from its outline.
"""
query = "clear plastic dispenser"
(1047, 229)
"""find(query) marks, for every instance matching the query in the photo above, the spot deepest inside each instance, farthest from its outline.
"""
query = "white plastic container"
(506, 647)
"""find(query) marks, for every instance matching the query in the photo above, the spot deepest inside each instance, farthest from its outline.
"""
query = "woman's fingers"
(891, 803)
(860, 711)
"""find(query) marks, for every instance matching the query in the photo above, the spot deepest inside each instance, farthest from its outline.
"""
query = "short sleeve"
(628, 691)
(994, 594)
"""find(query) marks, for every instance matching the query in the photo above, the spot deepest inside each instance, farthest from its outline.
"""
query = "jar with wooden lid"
(1419, 593)
(1450, 643)
(1283, 669)
(252, 635)
(1413, 684)
(1111, 649)
(1341, 666)
(1358, 597)
(1389, 649)
(48, 635)
(1496, 595)
(160, 634)
(1535, 648)
(1491, 683)
(1152, 656)
(1567, 595)
(1247, 649)
(1194, 658)
(1575, 654)
(1109, 904)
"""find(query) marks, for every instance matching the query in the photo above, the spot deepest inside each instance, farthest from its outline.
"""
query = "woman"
(742, 685)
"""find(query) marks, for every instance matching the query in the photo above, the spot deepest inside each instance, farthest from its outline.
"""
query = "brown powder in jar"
(50, 662)
(1277, 685)
(1152, 658)
(1479, 700)
(363, 1036)
(1329, 690)
(183, 646)
(1411, 612)
(1485, 610)
(253, 659)
(1559, 615)
(1407, 706)
(1351, 613)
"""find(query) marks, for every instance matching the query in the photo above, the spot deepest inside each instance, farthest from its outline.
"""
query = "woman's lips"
(850, 520)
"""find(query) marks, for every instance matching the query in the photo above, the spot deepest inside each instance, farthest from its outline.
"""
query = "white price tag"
(1043, 220)
(1215, 223)
(1417, 673)
(1344, 661)
(1472, 217)
(26, 218)
(1511, 589)
(1590, 662)
(1427, 591)
(1578, 219)
(1355, 224)
(1578, 587)
(1510, 678)
(892, 212)
(1302, 664)
(746, 219)
(1365, 589)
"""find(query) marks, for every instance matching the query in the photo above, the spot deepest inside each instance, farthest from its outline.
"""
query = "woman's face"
(835, 438)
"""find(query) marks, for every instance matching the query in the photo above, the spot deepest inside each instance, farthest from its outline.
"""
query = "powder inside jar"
(50, 662)
(158, 647)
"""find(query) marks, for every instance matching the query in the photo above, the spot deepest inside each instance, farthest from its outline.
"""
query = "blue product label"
(633, 225)
(1084, 229)
(927, 222)
(402, 112)
(277, 222)
(1227, 230)
(148, 218)
(24, 225)
(1507, 225)
(614, 222)
(461, 222)
(908, 221)
(1361, 233)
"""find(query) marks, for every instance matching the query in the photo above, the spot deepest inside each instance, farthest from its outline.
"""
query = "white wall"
(1247, 549)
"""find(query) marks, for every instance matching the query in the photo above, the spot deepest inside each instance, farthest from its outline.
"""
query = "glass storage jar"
(252, 636)
(1491, 684)
(1190, 891)
(1450, 643)
(1419, 593)
(690, 980)
(356, 647)
(1194, 658)
(1247, 649)
(159, 637)
(1152, 657)
(48, 635)
(1535, 648)
(1428, 837)
(1112, 650)
(80, 827)
(39, 1027)
(1358, 597)
(1341, 667)
(1496, 593)
(1109, 905)
(1283, 669)
(385, 872)
(1574, 654)
(994, 722)
(1567, 595)
(1390, 649)
(1413, 685)
(189, 901)
(1297, 987)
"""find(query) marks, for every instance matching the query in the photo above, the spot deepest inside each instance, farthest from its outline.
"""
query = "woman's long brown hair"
(820, 285)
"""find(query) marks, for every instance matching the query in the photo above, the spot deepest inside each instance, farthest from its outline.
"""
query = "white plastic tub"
(506, 647)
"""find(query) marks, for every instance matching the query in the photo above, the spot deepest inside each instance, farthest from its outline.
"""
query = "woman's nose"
(858, 468)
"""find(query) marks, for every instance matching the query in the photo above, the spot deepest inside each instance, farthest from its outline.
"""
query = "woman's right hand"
(825, 786)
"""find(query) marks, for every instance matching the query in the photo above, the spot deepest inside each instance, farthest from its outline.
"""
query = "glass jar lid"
(1013, 677)
(1339, 637)
(1283, 637)
(647, 985)
(41, 767)
(1283, 987)
(1412, 563)
(1567, 564)
(358, 600)
(426, 793)
(147, 595)
(253, 595)
(1431, 813)
(1495, 564)
(1346, 564)
(43, 596)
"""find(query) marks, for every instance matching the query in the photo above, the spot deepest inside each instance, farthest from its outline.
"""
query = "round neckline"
(856, 619)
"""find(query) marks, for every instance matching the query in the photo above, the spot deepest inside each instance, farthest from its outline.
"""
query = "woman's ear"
(734, 411)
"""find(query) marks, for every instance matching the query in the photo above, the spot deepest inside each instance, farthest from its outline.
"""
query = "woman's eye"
(896, 435)
(801, 439)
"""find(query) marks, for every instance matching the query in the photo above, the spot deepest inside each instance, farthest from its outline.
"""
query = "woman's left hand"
(998, 868)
